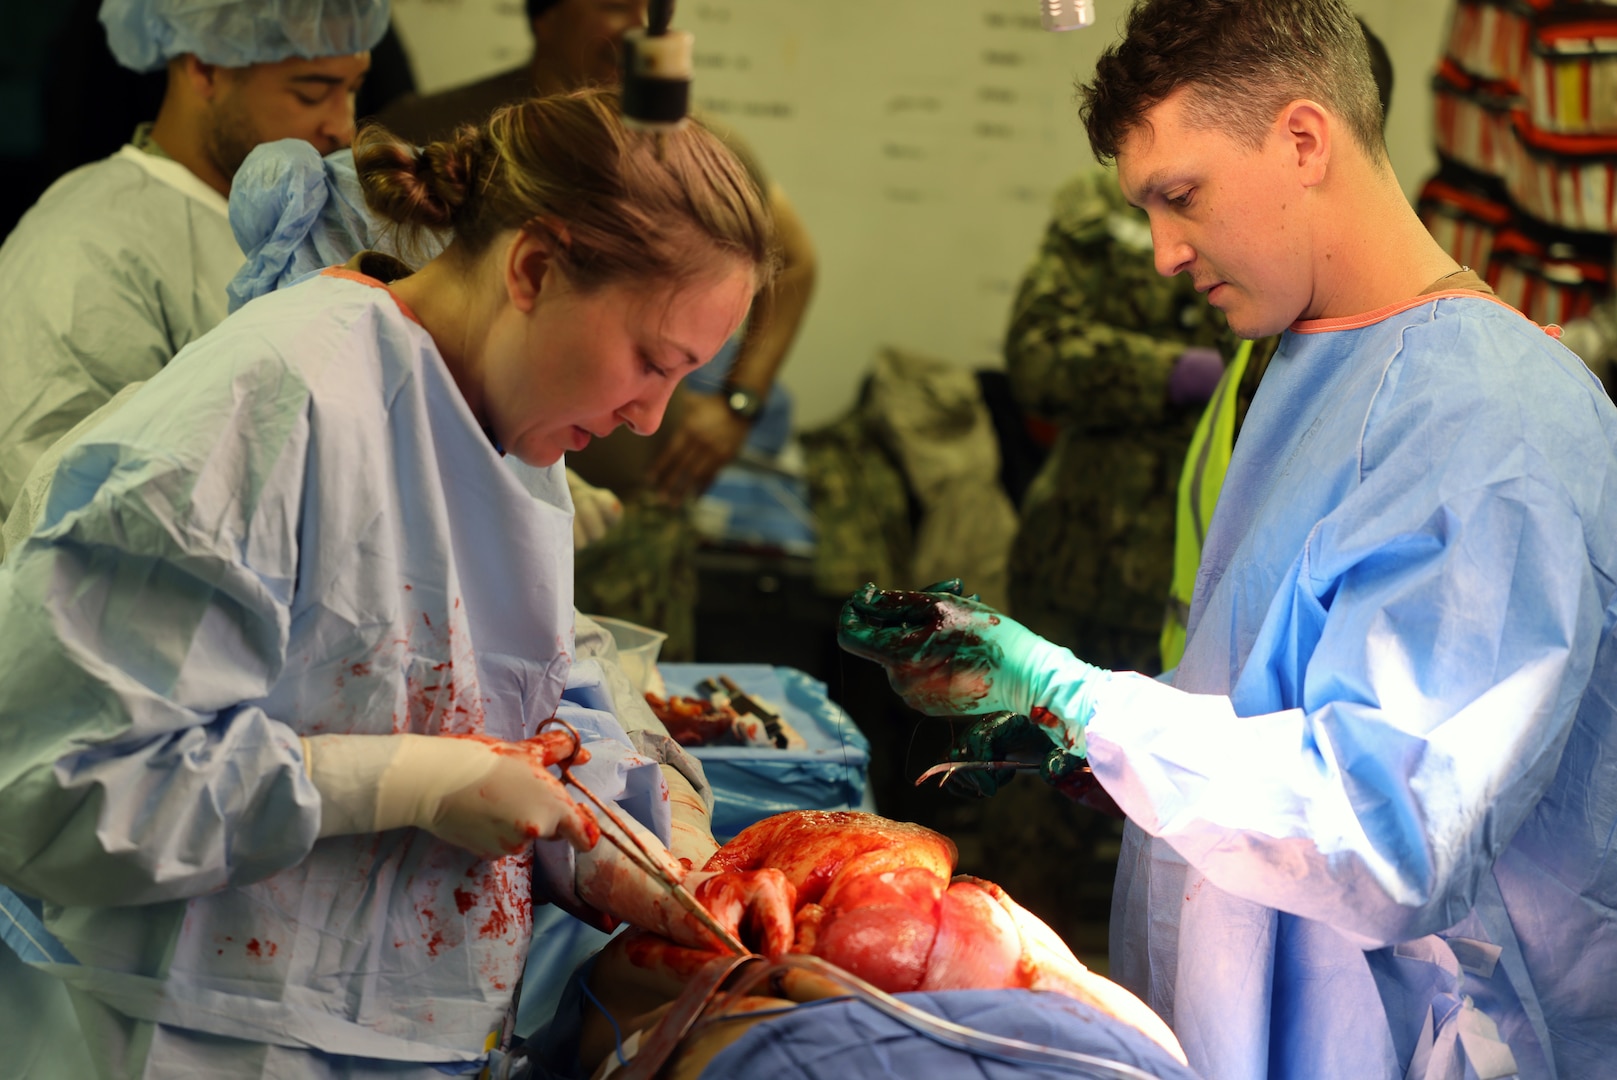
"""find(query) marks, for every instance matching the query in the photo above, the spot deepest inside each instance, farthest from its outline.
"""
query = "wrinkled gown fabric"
(296, 528)
(119, 265)
(1378, 839)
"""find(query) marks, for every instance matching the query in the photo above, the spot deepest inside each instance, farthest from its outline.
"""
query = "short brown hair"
(1242, 61)
(620, 204)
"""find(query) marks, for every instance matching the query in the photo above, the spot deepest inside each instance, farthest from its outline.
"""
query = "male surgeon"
(1371, 811)
(125, 261)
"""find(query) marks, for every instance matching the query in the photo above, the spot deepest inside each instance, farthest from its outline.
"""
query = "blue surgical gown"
(297, 527)
(1371, 820)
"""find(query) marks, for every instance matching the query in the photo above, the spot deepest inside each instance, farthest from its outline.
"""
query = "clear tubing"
(980, 1043)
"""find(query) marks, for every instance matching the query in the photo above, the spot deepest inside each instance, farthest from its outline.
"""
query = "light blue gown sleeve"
(1436, 631)
(151, 602)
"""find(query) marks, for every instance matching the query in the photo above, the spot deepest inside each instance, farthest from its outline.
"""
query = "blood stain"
(498, 924)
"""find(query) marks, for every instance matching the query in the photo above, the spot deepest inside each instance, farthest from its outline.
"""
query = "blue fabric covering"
(560, 944)
(752, 783)
(757, 507)
(1371, 823)
(146, 34)
(849, 1040)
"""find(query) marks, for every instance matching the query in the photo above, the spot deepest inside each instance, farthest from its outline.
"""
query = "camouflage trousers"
(644, 571)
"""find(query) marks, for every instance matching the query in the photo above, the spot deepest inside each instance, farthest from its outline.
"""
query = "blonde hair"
(620, 205)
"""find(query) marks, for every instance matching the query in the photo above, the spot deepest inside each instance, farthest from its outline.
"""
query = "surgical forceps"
(635, 850)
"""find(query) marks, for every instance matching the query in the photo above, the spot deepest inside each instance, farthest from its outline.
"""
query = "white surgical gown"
(118, 266)
(297, 527)
(1382, 840)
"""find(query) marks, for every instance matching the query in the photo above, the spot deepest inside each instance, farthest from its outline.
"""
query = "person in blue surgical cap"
(280, 644)
(125, 261)
(1371, 812)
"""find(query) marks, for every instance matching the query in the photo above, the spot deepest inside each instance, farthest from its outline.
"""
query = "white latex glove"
(486, 795)
(755, 905)
(595, 511)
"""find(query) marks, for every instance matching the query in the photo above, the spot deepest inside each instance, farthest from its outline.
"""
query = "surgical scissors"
(949, 768)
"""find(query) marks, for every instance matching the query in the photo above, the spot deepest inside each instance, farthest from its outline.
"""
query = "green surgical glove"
(953, 655)
(1006, 736)
(1001, 736)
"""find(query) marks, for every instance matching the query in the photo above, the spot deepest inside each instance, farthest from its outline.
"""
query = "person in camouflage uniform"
(1094, 339)
(644, 571)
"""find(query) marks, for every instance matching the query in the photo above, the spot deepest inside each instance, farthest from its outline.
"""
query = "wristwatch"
(745, 403)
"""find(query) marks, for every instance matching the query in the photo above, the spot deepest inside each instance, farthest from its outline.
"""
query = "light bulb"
(1067, 14)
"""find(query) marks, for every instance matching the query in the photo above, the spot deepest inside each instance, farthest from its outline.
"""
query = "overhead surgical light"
(1067, 14)
(657, 72)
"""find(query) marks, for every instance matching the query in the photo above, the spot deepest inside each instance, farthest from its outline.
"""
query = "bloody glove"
(485, 795)
(1009, 737)
(953, 655)
(754, 903)
(1001, 736)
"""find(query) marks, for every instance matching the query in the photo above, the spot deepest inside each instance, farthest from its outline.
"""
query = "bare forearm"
(778, 312)
(777, 315)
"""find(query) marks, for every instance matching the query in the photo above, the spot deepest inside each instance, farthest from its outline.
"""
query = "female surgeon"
(276, 654)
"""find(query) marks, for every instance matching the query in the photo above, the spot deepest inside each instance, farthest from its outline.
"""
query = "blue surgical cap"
(294, 212)
(145, 34)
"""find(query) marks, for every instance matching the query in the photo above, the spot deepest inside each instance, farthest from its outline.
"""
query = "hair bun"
(411, 186)
(447, 170)
(629, 206)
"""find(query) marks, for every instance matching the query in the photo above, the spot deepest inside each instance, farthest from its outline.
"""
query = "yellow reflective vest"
(1199, 484)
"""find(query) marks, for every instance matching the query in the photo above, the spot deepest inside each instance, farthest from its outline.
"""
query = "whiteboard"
(920, 141)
